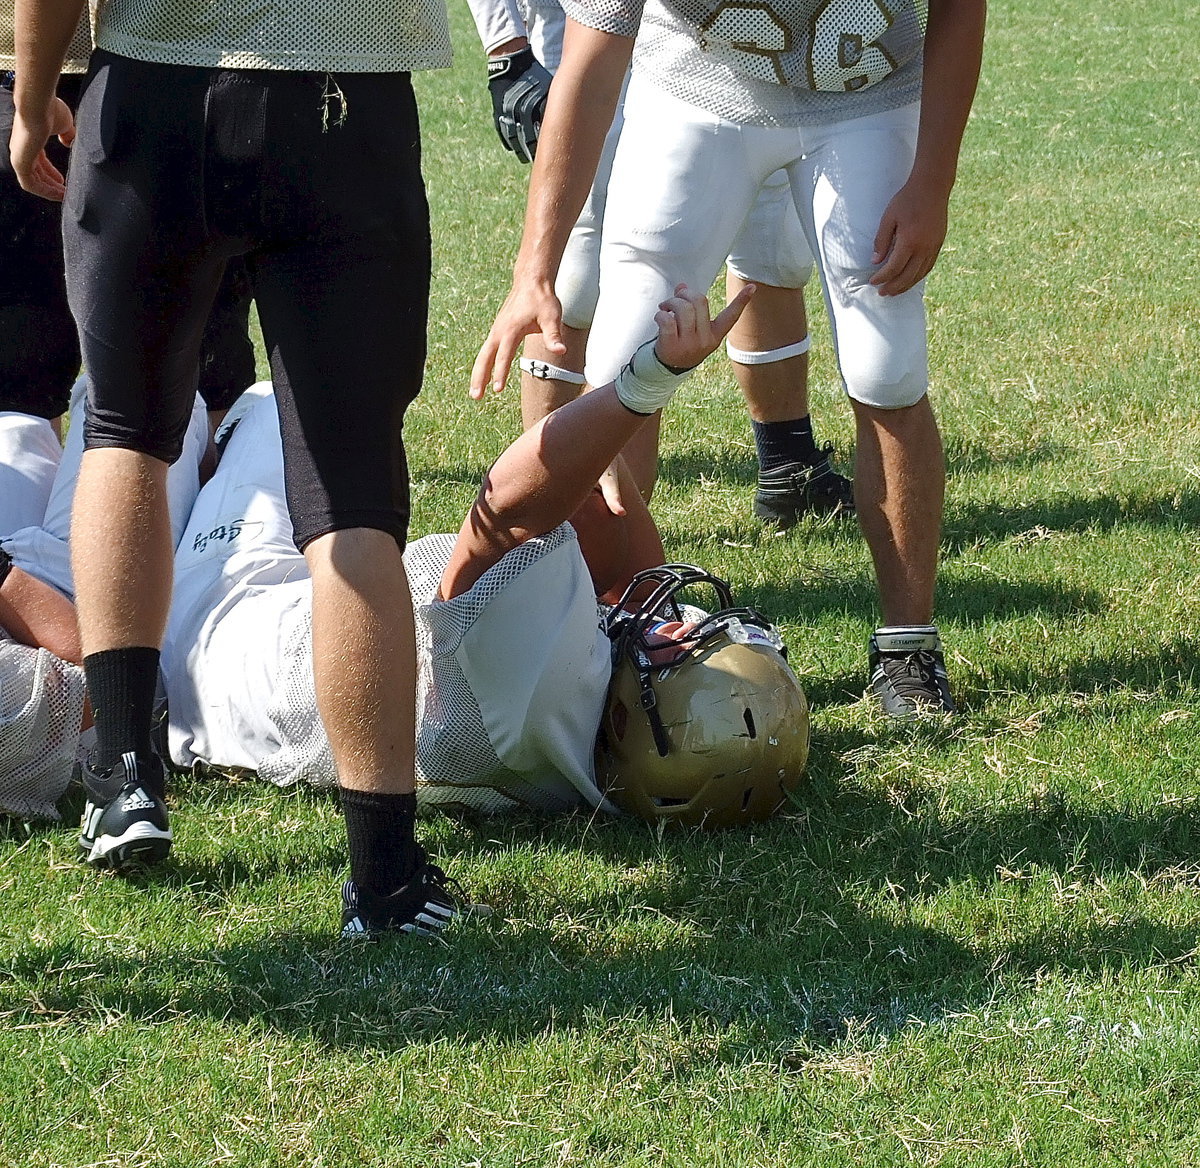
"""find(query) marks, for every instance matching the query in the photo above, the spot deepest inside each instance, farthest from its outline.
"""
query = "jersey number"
(844, 50)
(754, 37)
(843, 59)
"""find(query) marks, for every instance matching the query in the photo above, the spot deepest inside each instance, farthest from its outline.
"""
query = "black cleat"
(908, 672)
(125, 821)
(789, 492)
(425, 905)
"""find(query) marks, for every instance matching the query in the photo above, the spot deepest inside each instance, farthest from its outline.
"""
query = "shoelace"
(914, 673)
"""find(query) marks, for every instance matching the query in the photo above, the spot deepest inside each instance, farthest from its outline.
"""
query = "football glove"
(519, 85)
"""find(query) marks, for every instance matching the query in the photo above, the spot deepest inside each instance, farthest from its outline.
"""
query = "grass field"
(973, 944)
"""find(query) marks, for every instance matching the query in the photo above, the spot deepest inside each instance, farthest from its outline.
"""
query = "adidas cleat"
(424, 906)
(125, 822)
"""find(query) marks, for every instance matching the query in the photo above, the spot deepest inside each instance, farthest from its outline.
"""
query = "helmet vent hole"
(748, 718)
(665, 801)
(746, 798)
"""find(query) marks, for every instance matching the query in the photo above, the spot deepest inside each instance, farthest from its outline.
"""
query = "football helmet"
(710, 732)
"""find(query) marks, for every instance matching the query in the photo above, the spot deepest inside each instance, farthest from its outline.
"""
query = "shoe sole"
(140, 845)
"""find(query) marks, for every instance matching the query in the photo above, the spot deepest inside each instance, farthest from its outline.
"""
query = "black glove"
(519, 86)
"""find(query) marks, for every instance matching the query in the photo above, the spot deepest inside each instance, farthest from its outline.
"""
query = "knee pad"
(578, 282)
(882, 353)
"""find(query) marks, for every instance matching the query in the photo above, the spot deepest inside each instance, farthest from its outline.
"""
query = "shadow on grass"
(972, 522)
(784, 938)
(1169, 671)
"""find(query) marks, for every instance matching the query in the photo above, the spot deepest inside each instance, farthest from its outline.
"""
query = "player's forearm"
(953, 55)
(33, 613)
(44, 29)
(580, 110)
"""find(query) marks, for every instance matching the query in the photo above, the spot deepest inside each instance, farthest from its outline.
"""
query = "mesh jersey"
(363, 36)
(77, 53)
(41, 705)
(773, 62)
(511, 680)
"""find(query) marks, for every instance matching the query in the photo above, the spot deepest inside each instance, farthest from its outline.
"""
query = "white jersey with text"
(773, 62)
(512, 674)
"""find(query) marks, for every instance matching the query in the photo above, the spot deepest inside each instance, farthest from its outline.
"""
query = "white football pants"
(772, 248)
(684, 183)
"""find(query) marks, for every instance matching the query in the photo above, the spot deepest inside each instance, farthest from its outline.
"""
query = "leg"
(542, 394)
(39, 347)
(140, 279)
(364, 658)
(578, 283)
(343, 294)
(900, 484)
(900, 473)
(769, 352)
(681, 187)
(775, 391)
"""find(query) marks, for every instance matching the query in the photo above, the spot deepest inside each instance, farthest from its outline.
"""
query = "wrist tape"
(645, 385)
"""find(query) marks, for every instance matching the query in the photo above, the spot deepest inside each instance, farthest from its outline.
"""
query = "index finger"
(728, 316)
(484, 361)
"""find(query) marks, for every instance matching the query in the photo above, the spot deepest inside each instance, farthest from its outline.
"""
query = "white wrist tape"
(768, 356)
(645, 385)
(544, 371)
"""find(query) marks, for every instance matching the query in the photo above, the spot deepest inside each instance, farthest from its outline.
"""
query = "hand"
(910, 235)
(530, 307)
(27, 149)
(686, 335)
(519, 86)
(610, 486)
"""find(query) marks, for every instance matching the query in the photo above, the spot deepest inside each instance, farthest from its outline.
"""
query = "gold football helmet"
(717, 734)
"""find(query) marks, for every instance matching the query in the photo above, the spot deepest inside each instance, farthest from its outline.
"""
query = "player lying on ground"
(42, 703)
(514, 667)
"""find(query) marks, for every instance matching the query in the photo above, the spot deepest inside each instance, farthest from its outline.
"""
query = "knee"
(882, 352)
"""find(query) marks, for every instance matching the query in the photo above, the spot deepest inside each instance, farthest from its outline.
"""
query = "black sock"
(379, 826)
(121, 684)
(779, 443)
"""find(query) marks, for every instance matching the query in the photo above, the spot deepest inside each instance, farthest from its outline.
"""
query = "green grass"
(968, 945)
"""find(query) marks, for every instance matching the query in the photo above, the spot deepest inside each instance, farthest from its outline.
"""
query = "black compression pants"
(316, 182)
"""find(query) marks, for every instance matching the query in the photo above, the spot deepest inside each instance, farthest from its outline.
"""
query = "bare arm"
(44, 29)
(578, 115)
(35, 614)
(547, 474)
(913, 227)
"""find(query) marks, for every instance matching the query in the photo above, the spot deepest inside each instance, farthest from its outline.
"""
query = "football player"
(285, 131)
(514, 666)
(768, 346)
(42, 700)
(864, 106)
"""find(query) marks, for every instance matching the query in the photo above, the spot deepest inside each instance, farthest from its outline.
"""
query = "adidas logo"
(137, 801)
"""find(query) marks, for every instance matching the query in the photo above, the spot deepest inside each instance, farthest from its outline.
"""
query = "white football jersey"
(42, 550)
(29, 458)
(773, 62)
(512, 675)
